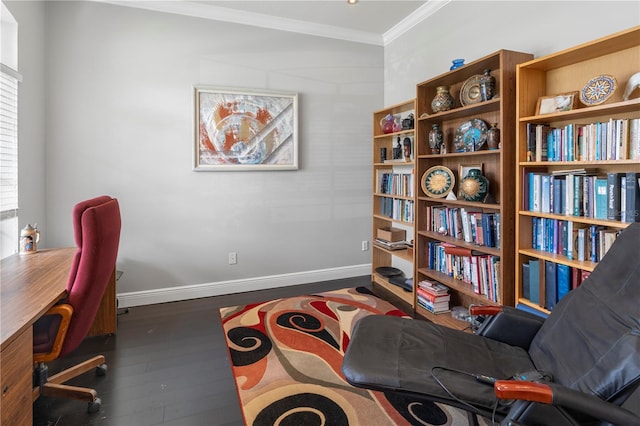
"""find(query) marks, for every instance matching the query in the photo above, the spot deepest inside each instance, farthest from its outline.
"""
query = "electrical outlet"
(233, 258)
(365, 245)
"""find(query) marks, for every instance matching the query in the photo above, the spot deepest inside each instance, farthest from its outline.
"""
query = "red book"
(432, 297)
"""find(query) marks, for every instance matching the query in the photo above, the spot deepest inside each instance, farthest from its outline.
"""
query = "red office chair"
(96, 225)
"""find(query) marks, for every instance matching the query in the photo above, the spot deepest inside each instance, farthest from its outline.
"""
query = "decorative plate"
(438, 181)
(470, 91)
(471, 135)
(598, 90)
(388, 271)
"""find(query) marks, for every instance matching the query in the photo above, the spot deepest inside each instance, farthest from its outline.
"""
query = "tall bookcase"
(393, 203)
(498, 166)
(551, 228)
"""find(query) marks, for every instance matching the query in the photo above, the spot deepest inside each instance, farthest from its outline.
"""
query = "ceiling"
(368, 21)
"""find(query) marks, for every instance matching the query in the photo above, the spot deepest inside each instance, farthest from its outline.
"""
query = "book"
(433, 287)
(432, 297)
(634, 139)
(550, 285)
(613, 195)
(600, 190)
(525, 281)
(632, 197)
(563, 281)
(534, 281)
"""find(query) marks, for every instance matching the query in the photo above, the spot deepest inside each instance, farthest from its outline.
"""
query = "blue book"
(551, 294)
(534, 281)
(600, 198)
(563, 276)
(531, 310)
(545, 189)
(526, 290)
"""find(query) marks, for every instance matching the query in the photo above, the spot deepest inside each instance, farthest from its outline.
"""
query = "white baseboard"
(174, 294)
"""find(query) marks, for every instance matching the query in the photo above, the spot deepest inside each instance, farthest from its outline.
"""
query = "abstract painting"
(243, 129)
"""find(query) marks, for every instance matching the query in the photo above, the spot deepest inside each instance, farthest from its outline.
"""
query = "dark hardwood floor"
(167, 365)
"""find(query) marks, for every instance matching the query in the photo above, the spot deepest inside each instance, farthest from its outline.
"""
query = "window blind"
(8, 142)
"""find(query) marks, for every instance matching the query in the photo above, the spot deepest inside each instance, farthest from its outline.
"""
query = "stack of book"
(392, 245)
(433, 296)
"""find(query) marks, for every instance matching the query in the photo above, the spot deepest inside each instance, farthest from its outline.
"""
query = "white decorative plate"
(597, 90)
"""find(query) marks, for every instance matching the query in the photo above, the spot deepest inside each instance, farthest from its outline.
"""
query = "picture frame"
(557, 103)
(463, 170)
(244, 129)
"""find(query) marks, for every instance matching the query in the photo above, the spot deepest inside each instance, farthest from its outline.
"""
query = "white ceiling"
(368, 21)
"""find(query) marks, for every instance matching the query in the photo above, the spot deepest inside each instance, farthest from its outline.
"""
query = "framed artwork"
(244, 129)
(557, 103)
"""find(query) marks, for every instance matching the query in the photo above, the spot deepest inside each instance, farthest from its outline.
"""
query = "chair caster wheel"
(94, 406)
(101, 370)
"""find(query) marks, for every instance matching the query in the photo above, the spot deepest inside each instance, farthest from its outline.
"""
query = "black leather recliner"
(579, 366)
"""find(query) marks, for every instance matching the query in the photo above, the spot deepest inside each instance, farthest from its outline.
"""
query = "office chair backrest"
(591, 340)
(96, 224)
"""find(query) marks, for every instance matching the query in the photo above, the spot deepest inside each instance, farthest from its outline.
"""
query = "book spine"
(632, 197)
(613, 194)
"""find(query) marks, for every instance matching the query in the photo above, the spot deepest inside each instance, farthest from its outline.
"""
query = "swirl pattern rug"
(286, 356)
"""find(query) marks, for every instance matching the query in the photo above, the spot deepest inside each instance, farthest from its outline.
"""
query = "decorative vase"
(493, 137)
(487, 85)
(474, 186)
(457, 63)
(436, 138)
(387, 123)
(443, 101)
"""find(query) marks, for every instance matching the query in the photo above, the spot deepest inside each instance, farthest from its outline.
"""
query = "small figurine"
(397, 150)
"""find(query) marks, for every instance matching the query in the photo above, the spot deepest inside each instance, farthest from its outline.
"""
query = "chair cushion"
(591, 340)
(391, 353)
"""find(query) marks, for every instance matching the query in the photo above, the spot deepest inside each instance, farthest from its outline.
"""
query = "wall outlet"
(365, 245)
(233, 258)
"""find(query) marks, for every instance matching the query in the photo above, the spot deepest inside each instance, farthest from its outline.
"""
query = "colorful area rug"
(286, 356)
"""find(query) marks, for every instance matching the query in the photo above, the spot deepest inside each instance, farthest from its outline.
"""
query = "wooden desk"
(30, 285)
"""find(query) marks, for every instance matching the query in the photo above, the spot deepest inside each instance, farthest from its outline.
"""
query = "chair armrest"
(510, 325)
(558, 395)
(65, 311)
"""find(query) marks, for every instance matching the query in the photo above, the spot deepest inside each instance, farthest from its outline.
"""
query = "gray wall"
(119, 121)
(107, 94)
(473, 29)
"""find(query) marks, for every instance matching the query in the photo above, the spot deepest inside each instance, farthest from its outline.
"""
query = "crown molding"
(217, 13)
(419, 15)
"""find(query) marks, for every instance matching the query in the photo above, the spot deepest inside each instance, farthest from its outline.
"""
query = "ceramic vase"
(474, 186)
(487, 85)
(493, 137)
(443, 101)
(436, 138)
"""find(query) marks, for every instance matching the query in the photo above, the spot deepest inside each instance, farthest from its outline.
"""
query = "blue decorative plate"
(471, 135)
(598, 90)
(437, 182)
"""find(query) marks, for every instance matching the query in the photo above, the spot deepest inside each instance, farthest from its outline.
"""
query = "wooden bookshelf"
(393, 207)
(617, 55)
(498, 168)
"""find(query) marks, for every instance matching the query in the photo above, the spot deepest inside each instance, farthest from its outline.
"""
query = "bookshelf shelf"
(563, 72)
(497, 166)
(385, 216)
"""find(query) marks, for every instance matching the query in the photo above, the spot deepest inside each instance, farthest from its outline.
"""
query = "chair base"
(54, 386)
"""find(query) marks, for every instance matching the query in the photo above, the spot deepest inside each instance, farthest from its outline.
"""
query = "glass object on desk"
(29, 239)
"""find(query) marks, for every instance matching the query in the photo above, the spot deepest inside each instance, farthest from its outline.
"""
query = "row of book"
(396, 209)
(576, 241)
(395, 183)
(480, 271)
(471, 226)
(433, 296)
(392, 245)
(616, 139)
(545, 282)
(613, 196)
